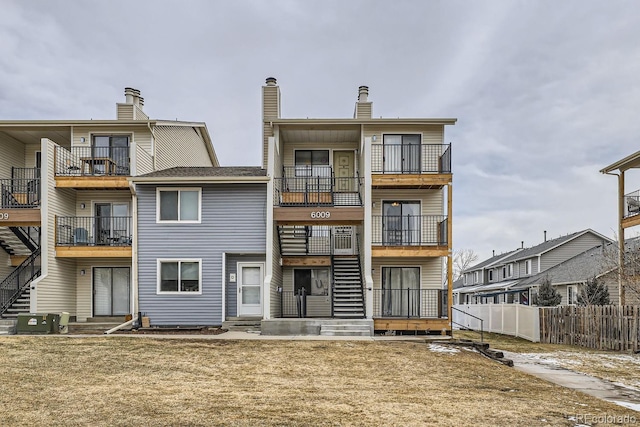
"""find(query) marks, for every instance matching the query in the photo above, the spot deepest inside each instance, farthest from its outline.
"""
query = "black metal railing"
(316, 186)
(293, 304)
(632, 204)
(81, 161)
(408, 303)
(93, 231)
(411, 158)
(305, 240)
(22, 190)
(29, 236)
(409, 230)
(15, 283)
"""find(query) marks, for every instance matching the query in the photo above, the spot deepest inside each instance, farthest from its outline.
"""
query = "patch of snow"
(630, 405)
(437, 348)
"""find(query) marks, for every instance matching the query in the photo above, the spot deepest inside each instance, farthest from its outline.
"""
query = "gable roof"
(552, 244)
(490, 261)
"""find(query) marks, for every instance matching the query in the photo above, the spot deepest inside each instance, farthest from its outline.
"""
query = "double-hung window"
(178, 205)
(572, 294)
(179, 276)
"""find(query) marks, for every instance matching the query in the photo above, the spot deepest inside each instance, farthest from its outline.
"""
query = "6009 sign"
(320, 215)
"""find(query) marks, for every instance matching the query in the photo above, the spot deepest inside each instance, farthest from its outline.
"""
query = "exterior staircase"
(293, 240)
(15, 289)
(11, 243)
(348, 301)
(19, 306)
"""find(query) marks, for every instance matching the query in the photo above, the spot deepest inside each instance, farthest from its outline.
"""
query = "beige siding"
(276, 276)
(56, 292)
(124, 111)
(431, 134)
(270, 110)
(84, 291)
(138, 114)
(431, 270)
(89, 198)
(5, 265)
(13, 154)
(431, 201)
(140, 135)
(364, 110)
(144, 161)
(180, 146)
(30, 155)
(289, 150)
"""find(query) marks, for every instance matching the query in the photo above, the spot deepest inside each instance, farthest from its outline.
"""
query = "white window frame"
(510, 270)
(490, 275)
(574, 300)
(527, 267)
(178, 221)
(475, 277)
(159, 262)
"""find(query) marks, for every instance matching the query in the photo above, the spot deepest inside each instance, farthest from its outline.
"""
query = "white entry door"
(250, 284)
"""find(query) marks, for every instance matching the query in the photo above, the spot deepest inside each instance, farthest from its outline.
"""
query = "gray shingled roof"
(197, 172)
(490, 261)
(545, 246)
(580, 268)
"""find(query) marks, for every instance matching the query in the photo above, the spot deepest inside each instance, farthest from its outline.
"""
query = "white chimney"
(363, 93)
(128, 95)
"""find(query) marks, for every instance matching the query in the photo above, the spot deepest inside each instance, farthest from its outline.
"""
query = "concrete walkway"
(602, 389)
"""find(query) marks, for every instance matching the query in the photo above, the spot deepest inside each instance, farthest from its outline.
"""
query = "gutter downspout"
(124, 325)
(153, 144)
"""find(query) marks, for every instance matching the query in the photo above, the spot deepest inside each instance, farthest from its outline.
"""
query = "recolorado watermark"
(606, 419)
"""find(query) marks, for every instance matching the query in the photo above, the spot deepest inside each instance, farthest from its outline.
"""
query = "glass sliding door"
(111, 223)
(111, 291)
(401, 223)
(401, 291)
(402, 153)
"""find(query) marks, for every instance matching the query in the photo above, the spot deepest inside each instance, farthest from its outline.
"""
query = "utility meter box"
(37, 323)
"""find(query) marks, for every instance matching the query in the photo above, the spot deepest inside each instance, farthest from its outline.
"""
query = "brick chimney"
(270, 110)
(364, 108)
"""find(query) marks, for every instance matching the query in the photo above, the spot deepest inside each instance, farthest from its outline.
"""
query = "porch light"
(83, 272)
(82, 206)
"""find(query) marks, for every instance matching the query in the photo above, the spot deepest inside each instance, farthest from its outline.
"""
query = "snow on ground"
(437, 348)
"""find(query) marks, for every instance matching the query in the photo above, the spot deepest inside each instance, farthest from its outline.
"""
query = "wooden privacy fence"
(605, 327)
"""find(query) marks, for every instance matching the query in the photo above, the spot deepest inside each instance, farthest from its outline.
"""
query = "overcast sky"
(546, 92)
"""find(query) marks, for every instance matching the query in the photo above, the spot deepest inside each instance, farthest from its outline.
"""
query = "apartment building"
(358, 221)
(67, 233)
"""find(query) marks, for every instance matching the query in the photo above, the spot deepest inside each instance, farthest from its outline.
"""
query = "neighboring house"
(628, 212)
(358, 219)
(502, 278)
(66, 228)
(201, 246)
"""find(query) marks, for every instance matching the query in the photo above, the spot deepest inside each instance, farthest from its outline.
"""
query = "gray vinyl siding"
(569, 250)
(233, 220)
(232, 287)
(180, 146)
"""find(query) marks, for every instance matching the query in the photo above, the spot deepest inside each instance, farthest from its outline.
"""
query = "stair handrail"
(467, 326)
(16, 274)
(362, 278)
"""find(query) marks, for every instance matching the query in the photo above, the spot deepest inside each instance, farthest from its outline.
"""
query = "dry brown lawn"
(617, 367)
(150, 381)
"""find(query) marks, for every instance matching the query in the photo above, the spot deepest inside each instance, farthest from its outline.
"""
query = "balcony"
(100, 236)
(92, 167)
(319, 196)
(409, 235)
(20, 198)
(410, 303)
(410, 165)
